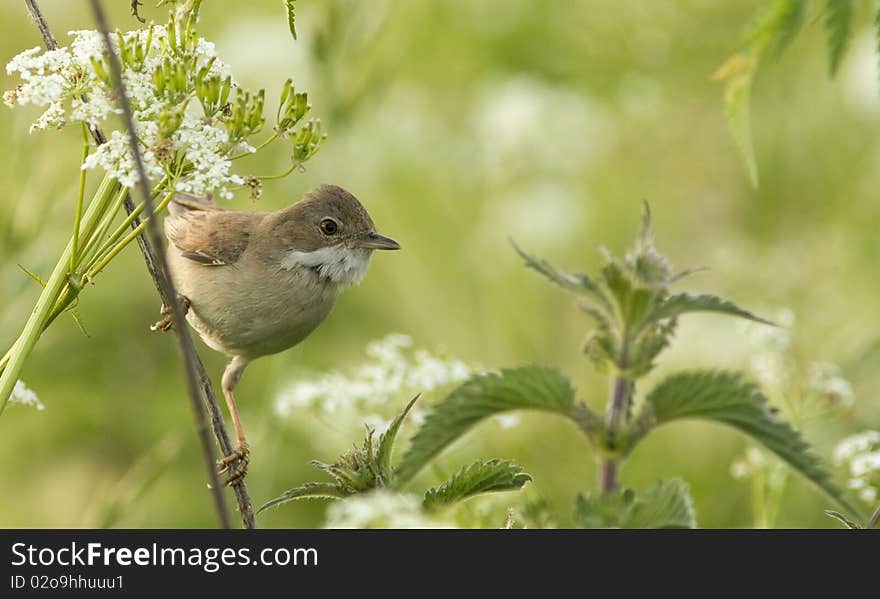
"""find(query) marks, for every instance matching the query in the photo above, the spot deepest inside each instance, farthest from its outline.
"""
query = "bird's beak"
(374, 241)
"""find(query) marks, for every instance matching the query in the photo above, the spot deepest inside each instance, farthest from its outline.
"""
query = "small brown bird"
(257, 283)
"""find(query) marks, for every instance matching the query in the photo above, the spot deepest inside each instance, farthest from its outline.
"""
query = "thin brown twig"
(206, 390)
(166, 284)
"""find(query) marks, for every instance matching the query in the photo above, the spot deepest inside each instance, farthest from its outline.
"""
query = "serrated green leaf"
(306, 491)
(667, 504)
(602, 510)
(578, 283)
(774, 28)
(474, 479)
(481, 396)
(291, 18)
(838, 26)
(386, 442)
(682, 303)
(728, 398)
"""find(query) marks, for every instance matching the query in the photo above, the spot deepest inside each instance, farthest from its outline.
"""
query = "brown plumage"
(257, 283)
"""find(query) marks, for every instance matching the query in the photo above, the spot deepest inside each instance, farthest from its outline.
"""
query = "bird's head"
(330, 232)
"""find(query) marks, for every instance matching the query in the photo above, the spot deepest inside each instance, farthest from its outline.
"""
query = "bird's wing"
(206, 233)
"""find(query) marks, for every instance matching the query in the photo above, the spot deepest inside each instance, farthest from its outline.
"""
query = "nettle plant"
(369, 468)
(192, 123)
(636, 316)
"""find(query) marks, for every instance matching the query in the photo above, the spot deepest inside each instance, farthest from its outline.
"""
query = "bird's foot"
(167, 322)
(235, 464)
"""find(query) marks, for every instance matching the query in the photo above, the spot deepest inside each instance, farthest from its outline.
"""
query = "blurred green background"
(460, 124)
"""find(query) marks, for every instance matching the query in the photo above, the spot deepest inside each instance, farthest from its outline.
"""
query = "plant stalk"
(36, 322)
(245, 506)
(166, 284)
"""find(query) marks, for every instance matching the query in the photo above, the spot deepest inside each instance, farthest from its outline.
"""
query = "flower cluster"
(381, 509)
(190, 117)
(392, 369)
(73, 83)
(860, 454)
(24, 396)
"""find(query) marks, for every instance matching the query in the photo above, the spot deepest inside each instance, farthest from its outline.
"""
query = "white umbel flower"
(66, 82)
(391, 370)
(24, 396)
(381, 509)
(860, 454)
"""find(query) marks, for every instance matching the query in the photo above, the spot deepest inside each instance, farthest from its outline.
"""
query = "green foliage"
(364, 469)
(772, 31)
(843, 520)
(313, 490)
(838, 22)
(291, 17)
(578, 283)
(480, 477)
(728, 398)
(630, 303)
(635, 319)
(386, 441)
(682, 303)
(484, 395)
(667, 504)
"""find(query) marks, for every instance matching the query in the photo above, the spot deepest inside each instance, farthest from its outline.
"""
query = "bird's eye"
(329, 226)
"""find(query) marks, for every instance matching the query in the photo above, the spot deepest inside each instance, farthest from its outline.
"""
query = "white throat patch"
(342, 265)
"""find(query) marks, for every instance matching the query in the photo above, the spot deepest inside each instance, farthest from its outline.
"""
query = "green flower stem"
(132, 235)
(39, 317)
(119, 232)
(95, 236)
(123, 227)
(272, 138)
(292, 168)
(79, 198)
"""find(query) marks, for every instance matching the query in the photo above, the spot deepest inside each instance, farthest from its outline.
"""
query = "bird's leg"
(241, 455)
(167, 323)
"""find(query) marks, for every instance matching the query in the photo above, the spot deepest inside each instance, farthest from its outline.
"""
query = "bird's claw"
(235, 464)
(167, 322)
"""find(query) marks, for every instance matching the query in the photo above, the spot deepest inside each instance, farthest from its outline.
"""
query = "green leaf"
(386, 442)
(774, 28)
(788, 19)
(738, 72)
(484, 395)
(480, 477)
(682, 303)
(838, 23)
(578, 283)
(728, 398)
(306, 491)
(291, 19)
(842, 519)
(667, 504)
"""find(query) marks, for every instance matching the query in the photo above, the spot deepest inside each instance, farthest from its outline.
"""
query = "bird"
(257, 283)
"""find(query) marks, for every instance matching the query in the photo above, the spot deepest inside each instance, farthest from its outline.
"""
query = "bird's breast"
(250, 310)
